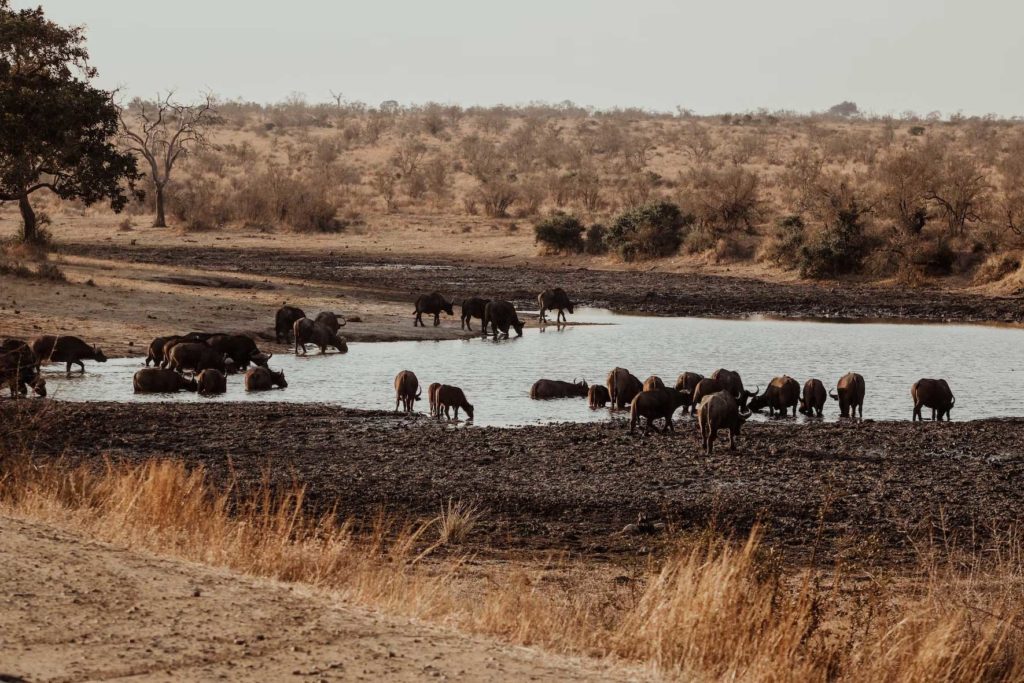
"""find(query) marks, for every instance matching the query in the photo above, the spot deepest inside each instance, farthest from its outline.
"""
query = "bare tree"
(162, 132)
(960, 191)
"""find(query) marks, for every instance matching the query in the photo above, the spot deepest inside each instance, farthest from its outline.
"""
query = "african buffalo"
(331, 320)
(65, 349)
(212, 381)
(501, 315)
(240, 348)
(162, 355)
(814, 397)
(195, 357)
(597, 396)
(19, 368)
(264, 379)
(161, 381)
(934, 394)
(623, 386)
(688, 381)
(720, 411)
(283, 321)
(472, 308)
(556, 388)
(406, 386)
(781, 394)
(452, 397)
(652, 404)
(850, 394)
(653, 382)
(704, 387)
(432, 304)
(155, 352)
(310, 332)
(432, 397)
(554, 300)
(731, 382)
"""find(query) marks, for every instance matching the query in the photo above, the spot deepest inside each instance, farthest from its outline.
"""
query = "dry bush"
(456, 522)
(723, 200)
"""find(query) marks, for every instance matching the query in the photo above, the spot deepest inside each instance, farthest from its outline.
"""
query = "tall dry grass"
(713, 610)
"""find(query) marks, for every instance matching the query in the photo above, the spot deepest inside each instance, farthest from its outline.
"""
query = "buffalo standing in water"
(452, 397)
(554, 300)
(264, 379)
(934, 394)
(310, 332)
(19, 369)
(195, 357)
(653, 382)
(432, 397)
(500, 316)
(720, 411)
(66, 349)
(406, 386)
(212, 382)
(597, 396)
(623, 386)
(653, 404)
(688, 381)
(544, 389)
(283, 322)
(781, 394)
(162, 381)
(432, 304)
(240, 348)
(730, 381)
(330, 320)
(813, 400)
(850, 394)
(473, 308)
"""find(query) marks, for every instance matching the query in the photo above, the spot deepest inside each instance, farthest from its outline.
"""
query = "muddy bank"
(858, 490)
(641, 292)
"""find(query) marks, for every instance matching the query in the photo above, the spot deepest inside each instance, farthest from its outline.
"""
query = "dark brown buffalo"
(65, 349)
(431, 304)
(555, 388)
(934, 394)
(720, 411)
(850, 394)
(155, 353)
(164, 358)
(161, 381)
(407, 390)
(452, 397)
(473, 308)
(432, 397)
(704, 387)
(623, 387)
(283, 321)
(731, 382)
(653, 382)
(19, 368)
(240, 348)
(212, 382)
(500, 316)
(688, 381)
(264, 379)
(310, 332)
(781, 394)
(554, 300)
(331, 320)
(653, 404)
(597, 396)
(195, 357)
(813, 400)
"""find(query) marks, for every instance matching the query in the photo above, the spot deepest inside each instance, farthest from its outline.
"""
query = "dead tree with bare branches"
(163, 132)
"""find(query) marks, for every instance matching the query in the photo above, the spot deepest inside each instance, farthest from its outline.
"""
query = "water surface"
(984, 365)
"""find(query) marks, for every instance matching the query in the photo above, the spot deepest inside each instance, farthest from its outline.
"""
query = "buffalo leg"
(437, 319)
(732, 440)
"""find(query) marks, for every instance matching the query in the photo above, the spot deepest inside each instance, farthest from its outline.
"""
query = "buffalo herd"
(201, 362)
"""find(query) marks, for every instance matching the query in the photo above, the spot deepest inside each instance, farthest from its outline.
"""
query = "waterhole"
(984, 365)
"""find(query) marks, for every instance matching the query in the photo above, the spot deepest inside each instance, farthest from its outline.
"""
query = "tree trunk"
(28, 217)
(161, 220)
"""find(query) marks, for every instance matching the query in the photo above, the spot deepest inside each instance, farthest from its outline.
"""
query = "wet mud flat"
(858, 491)
(640, 292)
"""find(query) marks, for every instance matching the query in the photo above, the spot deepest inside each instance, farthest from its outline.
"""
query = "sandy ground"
(74, 609)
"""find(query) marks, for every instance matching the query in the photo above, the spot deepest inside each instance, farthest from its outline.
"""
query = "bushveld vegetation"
(710, 609)
(879, 196)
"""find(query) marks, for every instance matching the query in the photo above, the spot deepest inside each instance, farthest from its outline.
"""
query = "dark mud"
(864, 492)
(641, 292)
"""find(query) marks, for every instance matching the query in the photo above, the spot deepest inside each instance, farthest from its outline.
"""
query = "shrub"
(839, 248)
(784, 246)
(560, 233)
(596, 243)
(650, 231)
(916, 130)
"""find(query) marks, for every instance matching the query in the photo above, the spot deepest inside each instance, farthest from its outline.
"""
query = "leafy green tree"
(650, 231)
(56, 130)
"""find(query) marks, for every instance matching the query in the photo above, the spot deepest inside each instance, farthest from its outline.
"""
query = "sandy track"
(73, 609)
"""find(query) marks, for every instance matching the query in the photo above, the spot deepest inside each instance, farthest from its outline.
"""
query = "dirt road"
(72, 609)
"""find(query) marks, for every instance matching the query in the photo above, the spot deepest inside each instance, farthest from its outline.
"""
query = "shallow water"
(981, 363)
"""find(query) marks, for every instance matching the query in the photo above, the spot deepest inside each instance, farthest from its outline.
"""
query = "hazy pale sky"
(711, 56)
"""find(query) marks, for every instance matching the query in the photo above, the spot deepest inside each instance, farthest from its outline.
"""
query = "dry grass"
(713, 610)
(456, 522)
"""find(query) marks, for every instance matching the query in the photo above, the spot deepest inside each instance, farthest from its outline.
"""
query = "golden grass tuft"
(713, 610)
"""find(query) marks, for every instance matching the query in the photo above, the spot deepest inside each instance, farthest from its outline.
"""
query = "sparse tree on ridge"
(162, 132)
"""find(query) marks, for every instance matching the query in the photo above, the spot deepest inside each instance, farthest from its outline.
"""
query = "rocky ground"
(864, 491)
